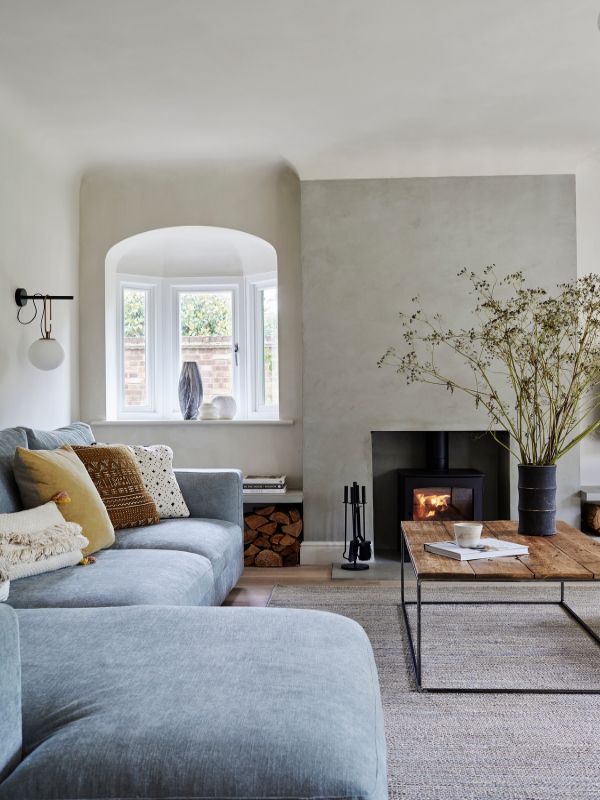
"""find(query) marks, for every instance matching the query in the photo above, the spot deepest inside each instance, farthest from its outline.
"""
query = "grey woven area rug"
(487, 746)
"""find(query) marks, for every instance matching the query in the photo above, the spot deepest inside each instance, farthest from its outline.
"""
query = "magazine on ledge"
(487, 548)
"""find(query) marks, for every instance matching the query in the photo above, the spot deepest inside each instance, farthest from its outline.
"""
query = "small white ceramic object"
(467, 534)
(208, 411)
(225, 405)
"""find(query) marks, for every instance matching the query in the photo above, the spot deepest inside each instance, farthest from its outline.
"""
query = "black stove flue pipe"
(436, 450)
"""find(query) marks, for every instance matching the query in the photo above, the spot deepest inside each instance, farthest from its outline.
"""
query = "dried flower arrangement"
(534, 359)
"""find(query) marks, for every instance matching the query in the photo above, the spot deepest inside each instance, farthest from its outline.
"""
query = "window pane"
(135, 315)
(270, 376)
(206, 337)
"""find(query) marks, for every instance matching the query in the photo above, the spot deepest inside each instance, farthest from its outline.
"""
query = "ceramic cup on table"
(467, 534)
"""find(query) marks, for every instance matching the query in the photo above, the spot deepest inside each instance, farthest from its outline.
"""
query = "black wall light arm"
(21, 297)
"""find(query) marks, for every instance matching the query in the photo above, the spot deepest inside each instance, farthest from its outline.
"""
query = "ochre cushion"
(42, 474)
(119, 482)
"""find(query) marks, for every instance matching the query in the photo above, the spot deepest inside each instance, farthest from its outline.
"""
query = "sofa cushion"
(197, 703)
(75, 433)
(42, 475)
(10, 439)
(219, 541)
(156, 465)
(120, 578)
(10, 691)
(119, 482)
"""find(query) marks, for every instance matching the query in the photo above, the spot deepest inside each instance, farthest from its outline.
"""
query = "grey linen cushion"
(219, 541)
(10, 692)
(10, 439)
(126, 578)
(75, 433)
(197, 703)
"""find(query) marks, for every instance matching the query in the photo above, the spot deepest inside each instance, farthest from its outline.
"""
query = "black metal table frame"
(416, 650)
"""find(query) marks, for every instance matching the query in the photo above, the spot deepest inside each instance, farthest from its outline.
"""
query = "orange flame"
(429, 505)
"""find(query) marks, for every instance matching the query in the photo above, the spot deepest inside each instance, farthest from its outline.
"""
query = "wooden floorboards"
(256, 584)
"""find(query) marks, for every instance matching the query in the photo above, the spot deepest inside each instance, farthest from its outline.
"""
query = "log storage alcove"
(272, 537)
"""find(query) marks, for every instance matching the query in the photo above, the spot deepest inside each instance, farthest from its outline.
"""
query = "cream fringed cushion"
(38, 540)
(4, 580)
(31, 520)
(25, 569)
(156, 465)
(43, 474)
(64, 537)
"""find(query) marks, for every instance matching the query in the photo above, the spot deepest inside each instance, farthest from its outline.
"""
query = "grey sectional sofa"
(174, 701)
(193, 561)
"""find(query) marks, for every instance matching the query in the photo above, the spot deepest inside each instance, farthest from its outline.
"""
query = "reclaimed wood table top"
(569, 555)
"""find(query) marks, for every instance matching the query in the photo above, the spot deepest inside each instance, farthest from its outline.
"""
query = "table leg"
(418, 665)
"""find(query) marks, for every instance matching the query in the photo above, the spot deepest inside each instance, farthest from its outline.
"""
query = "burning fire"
(429, 505)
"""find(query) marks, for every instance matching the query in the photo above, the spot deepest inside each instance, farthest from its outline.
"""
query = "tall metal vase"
(537, 500)
(190, 390)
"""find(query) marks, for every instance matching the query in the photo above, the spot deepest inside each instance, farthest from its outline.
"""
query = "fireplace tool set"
(358, 549)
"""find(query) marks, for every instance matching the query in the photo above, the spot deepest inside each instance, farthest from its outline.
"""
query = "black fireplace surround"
(438, 492)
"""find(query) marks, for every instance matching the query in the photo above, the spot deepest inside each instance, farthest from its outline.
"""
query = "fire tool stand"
(359, 548)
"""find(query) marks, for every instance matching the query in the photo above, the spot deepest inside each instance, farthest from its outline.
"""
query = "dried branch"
(534, 359)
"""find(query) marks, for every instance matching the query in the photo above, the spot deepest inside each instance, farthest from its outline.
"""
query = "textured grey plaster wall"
(368, 246)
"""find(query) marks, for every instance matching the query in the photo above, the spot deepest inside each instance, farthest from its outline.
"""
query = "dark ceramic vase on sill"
(537, 500)
(190, 390)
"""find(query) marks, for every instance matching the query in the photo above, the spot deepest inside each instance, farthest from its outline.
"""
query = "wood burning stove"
(438, 492)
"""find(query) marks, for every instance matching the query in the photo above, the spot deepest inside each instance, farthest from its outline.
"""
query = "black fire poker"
(359, 549)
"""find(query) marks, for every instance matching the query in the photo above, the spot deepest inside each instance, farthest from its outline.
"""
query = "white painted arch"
(183, 251)
(191, 251)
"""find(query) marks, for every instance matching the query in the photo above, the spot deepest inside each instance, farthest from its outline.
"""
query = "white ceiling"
(340, 88)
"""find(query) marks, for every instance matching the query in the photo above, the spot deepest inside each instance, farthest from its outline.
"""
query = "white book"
(250, 490)
(487, 548)
(270, 479)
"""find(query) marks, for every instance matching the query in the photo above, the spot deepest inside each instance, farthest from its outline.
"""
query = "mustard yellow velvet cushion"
(42, 474)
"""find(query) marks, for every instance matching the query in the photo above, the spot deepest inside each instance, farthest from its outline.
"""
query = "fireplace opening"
(438, 492)
(468, 465)
(446, 502)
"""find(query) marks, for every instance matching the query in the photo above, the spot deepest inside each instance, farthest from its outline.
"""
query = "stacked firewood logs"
(591, 517)
(272, 537)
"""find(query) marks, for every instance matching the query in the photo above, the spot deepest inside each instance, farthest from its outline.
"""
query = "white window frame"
(149, 410)
(173, 288)
(254, 286)
(163, 343)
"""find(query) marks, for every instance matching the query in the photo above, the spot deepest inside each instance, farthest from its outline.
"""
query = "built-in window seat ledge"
(142, 423)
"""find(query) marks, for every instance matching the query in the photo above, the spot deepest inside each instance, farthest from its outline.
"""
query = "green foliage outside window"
(206, 314)
(202, 314)
(134, 313)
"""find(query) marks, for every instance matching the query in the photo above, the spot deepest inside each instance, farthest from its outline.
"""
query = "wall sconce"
(45, 353)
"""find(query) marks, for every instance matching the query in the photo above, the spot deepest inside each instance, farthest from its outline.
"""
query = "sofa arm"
(213, 494)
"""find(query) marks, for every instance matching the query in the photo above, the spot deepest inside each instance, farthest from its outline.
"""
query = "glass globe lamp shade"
(46, 354)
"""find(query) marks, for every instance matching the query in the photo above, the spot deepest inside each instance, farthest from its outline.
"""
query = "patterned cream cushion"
(156, 465)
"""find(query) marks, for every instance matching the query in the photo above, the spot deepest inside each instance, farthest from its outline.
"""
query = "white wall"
(588, 260)
(258, 198)
(368, 246)
(38, 251)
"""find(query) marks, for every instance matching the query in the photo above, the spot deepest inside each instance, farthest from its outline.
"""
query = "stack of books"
(265, 484)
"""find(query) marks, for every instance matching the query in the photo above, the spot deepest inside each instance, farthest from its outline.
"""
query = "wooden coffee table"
(569, 555)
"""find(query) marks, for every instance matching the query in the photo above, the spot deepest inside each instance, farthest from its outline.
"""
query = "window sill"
(187, 422)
